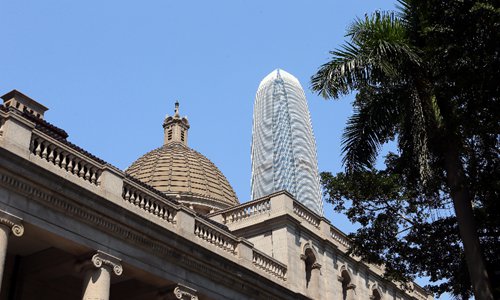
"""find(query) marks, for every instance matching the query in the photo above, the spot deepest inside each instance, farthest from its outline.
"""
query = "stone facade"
(74, 227)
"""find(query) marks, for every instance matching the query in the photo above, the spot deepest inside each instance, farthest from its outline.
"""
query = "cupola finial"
(175, 128)
(176, 111)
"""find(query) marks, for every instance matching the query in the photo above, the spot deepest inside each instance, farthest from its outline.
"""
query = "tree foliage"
(410, 234)
(427, 77)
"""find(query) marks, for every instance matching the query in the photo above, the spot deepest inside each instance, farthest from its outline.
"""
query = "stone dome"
(177, 170)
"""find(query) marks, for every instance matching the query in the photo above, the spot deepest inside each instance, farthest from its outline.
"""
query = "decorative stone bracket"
(13, 222)
(316, 266)
(350, 286)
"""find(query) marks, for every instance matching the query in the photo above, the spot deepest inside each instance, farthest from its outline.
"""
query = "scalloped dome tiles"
(175, 169)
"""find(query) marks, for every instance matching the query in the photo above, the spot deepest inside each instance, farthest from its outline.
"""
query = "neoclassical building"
(168, 227)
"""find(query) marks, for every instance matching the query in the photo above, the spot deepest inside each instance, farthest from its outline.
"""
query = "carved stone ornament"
(100, 259)
(178, 291)
(316, 266)
(13, 222)
(183, 292)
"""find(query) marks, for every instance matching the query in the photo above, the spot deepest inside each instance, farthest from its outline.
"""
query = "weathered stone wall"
(313, 250)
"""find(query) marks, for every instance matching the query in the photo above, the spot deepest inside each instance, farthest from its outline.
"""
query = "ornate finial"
(176, 114)
(175, 128)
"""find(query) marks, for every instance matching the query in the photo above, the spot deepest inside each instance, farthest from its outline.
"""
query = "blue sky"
(109, 71)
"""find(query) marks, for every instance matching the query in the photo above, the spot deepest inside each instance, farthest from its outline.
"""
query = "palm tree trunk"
(468, 232)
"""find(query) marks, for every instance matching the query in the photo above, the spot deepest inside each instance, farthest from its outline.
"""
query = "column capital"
(13, 222)
(100, 259)
(178, 291)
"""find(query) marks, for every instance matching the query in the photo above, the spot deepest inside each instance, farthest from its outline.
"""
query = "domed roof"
(176, 169)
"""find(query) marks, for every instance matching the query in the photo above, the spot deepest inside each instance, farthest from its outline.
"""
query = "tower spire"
(175, 128)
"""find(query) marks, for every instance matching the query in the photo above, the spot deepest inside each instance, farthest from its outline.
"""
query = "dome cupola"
(179, 171)
(175, 128)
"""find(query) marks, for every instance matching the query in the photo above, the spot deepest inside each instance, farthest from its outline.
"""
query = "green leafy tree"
(408, 233)
(428, 77)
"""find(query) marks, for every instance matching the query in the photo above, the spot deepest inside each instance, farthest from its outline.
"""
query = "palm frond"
(413, 138)
(345, 72)
(378, 49)
(403, 8)
(384, 34)
(371, 125)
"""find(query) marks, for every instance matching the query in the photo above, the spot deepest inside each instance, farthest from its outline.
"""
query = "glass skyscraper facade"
(283, 146)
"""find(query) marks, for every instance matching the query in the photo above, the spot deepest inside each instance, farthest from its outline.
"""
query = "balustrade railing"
(269, 264)
(247, 210)
(339, 237)
(305, 214)
(152, 204)
(419, 292)
(215, 236)
(66, 159)
(50, 145)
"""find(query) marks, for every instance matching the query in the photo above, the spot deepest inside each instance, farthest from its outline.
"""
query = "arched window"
(312, 271)
(347, 285)
(310, 260)
(376, 293)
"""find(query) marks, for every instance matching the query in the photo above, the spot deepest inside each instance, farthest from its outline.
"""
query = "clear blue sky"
(109, 71)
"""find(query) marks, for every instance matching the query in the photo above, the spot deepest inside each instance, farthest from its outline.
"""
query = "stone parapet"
(281, 204)
(63, 181)
(58, 156)
(15, 132)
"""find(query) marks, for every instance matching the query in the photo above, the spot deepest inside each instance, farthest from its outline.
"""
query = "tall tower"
(283, 144)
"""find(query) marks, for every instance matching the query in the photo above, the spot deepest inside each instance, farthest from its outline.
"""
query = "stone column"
(8, 223)
(98, 273)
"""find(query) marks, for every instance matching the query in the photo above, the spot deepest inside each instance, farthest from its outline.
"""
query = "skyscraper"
(283, 146)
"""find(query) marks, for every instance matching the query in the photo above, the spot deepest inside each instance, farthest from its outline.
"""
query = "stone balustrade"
(247, 210)
(61, 156)
(269, 264)
(419, 292)
(306, 214)
(42, 141)
(339, 237)
(147, 201)
(215, 236)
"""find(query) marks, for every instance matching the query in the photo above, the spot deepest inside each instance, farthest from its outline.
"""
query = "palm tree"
(384, 63)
